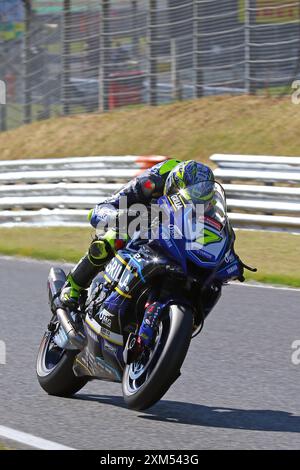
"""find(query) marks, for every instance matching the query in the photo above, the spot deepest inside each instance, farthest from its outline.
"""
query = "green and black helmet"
(193, 180)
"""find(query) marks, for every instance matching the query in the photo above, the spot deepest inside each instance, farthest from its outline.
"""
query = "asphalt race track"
(238, 388)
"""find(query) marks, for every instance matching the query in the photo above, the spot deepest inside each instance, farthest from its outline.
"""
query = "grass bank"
(276, 255)
(3, 447)
(187, 130)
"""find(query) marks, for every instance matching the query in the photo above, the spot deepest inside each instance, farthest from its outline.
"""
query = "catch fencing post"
(135, 36)
(153, 51)
(105, 40)
(199, 25)
(176, 85)
(3, 113)
(250, 21)
(3, 117)
(67, 20)
(252, 17)
(27, 62)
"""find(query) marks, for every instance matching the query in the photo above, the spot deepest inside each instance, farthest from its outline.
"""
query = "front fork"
(137, 343)
(150, 321)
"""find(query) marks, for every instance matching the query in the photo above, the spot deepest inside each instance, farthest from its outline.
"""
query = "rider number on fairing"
(208, 237)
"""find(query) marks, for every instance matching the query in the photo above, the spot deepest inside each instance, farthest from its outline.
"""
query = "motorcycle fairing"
(100, 358)
(213, 241)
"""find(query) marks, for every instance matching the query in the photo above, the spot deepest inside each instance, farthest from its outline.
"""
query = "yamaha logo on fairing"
(229, 257)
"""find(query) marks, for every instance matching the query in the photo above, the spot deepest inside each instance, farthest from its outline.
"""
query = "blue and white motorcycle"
(137, 319)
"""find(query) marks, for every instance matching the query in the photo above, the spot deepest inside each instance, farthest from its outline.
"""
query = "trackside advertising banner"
(272, 11)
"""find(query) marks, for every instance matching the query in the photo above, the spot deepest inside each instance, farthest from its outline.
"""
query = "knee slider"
(98, 252)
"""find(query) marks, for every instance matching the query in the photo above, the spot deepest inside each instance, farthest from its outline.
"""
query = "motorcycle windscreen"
(208, 235)
(198, 218)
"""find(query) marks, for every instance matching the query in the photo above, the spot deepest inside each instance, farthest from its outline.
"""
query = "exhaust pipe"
(75, 338)
(56, 281)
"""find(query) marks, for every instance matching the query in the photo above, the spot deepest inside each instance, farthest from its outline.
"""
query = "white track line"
(264, 286)
(30, 440)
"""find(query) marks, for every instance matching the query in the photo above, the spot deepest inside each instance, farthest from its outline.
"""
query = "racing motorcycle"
(135, 323)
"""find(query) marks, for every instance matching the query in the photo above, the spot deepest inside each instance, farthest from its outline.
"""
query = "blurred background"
(180, 78)
(64, 57)
(212, 80)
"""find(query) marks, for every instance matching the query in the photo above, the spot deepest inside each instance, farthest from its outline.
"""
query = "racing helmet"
(193, 180)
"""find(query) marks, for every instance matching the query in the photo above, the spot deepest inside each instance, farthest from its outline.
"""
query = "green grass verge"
(63, 244)
(187, 130)
(3, 447)
(276, 255)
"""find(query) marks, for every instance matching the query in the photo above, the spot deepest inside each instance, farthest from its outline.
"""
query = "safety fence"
(64, 57)
(262, 192)
(59, 192)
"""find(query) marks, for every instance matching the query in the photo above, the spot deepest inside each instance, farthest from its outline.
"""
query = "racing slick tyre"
(149, 378)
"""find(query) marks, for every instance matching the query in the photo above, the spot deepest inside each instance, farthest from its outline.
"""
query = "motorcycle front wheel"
(149, 378)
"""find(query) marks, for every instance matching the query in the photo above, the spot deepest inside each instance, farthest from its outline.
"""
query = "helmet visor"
(200, 193)
(209, 195)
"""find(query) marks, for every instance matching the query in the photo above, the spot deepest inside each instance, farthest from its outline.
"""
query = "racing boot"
(82, 275)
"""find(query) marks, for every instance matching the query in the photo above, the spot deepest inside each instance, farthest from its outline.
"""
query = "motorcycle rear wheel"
(54, 369)
(148, 379)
